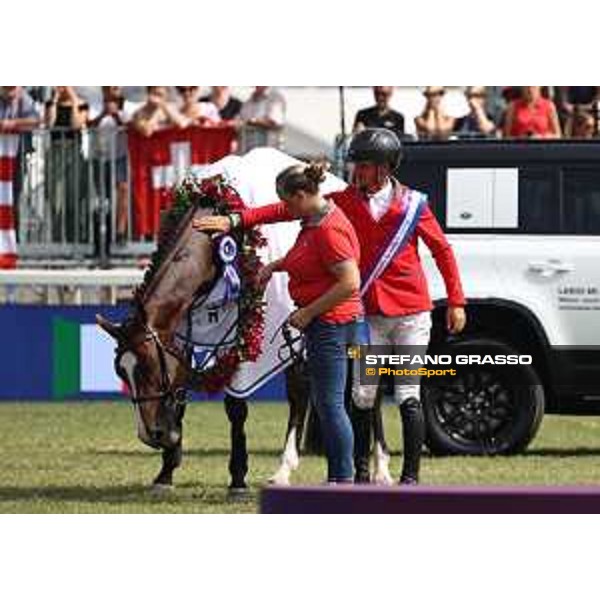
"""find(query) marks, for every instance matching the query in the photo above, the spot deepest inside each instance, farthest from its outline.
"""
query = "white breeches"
(414, 332)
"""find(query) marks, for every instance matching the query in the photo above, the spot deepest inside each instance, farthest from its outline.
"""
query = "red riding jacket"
(402, 290)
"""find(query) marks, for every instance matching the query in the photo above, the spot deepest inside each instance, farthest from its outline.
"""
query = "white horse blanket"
(254, 177)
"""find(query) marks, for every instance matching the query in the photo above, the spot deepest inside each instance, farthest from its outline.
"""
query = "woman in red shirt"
(323, 267)
(532, 116)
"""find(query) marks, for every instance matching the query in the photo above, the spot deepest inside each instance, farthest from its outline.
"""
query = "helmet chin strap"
(383, 178)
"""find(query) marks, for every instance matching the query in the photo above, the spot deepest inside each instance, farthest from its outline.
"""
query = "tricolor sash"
(415, 204)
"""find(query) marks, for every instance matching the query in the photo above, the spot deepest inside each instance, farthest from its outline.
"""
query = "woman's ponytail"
(302, 179)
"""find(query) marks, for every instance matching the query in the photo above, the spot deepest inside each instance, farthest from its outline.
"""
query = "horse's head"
(146, 360)
(155, 376)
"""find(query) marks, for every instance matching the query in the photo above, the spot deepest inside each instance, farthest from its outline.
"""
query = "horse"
(157, 369)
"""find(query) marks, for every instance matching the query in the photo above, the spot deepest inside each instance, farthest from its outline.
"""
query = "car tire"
(481, 412)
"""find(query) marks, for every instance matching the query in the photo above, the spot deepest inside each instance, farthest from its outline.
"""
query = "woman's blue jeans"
(327, 349)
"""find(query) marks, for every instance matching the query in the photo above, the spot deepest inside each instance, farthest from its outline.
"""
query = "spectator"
(434, 123)
(264, 113)
(157, 112)
(18, 114)
(66, 110)
(110, 156)
(478, 123)
(229, 106)
(532, 116)
(66, 169)
(196, 111)
(382, 115)
(17, 110)
(569, 97)
(581, 124)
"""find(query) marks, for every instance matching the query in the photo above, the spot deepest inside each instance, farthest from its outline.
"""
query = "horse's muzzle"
(160, 439)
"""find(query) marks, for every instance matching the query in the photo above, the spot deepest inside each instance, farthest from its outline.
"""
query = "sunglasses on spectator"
(435, 94)
(187, 89)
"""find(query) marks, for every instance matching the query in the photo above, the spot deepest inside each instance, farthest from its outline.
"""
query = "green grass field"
(78, 458)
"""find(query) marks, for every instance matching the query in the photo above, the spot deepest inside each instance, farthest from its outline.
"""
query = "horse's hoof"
(280, 479)
(161, 489)
(241, 494)
(383, 479)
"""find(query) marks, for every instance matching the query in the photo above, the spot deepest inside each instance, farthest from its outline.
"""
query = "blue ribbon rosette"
(227, 252)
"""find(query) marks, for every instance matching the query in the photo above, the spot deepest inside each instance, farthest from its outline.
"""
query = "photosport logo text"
(415, 363)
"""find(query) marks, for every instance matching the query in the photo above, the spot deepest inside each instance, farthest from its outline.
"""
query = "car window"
(582, 201)
(539, 200)
(430, 180)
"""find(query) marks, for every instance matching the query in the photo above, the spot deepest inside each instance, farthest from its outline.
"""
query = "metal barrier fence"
(73, 196)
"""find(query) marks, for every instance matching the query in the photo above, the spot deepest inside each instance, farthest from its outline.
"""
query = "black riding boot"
(361, 424)
(413, 427)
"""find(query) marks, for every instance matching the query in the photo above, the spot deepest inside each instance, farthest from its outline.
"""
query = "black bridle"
(168, 394)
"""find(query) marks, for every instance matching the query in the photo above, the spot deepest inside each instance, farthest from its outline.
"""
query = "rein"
(290, 343)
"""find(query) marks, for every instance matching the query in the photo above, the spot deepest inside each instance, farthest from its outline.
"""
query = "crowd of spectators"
(68, 163)
(70, 166)
(511, 112)
(64, 109)
(528, 112)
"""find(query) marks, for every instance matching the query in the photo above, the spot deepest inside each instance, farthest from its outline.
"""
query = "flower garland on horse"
(239, 261)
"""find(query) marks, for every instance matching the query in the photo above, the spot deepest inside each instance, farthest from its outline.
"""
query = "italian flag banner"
(9, 150)
(83, 361)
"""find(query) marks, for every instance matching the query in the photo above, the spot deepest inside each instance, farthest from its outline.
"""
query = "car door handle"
(551, 267)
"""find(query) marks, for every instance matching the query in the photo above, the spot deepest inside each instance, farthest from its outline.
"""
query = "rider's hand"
(456, 319)
(212, 224)
(301, 319)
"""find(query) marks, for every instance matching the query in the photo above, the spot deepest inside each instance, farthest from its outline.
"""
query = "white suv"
(524, 219)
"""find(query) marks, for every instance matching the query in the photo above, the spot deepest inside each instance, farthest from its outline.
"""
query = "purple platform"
(430, 500)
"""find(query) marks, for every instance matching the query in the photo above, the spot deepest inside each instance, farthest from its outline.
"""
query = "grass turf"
(78, 458)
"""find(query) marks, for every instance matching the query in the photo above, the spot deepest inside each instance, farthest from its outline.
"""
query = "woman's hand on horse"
(212, 224)
(301, 319)
(456, 319)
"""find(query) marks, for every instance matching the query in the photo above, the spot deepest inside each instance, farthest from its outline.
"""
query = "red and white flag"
(161, 161)
(9, 149)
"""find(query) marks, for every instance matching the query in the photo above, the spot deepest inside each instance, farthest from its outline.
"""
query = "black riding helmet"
(376, 146)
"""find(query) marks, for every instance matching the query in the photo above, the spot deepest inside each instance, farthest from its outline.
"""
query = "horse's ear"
(113, 330)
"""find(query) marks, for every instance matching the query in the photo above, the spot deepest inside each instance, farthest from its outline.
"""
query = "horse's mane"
(170, 229)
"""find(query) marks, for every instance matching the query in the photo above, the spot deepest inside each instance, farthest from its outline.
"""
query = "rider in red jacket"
(397, 303)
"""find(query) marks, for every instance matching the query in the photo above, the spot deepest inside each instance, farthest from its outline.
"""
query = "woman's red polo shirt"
(309, 262)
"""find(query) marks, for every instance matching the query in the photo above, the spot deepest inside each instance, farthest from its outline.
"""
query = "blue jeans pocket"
(361, 333)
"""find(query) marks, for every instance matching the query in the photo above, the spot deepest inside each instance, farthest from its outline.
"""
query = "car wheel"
(485, 409)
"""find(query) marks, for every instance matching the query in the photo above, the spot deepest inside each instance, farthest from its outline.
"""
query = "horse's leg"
(171, 460)
(298, 393)
(237, 413)
(381, 451)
